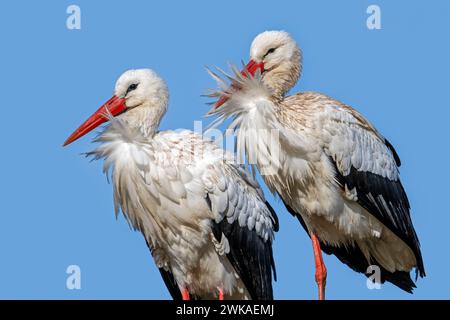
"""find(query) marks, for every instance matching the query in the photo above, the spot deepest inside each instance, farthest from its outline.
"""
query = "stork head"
(140, 98)
(141, 87)
(278, 58)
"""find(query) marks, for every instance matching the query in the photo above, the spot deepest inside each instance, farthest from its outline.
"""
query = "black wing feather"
(171, 284)
(386, 200)
(394, 152)
(250, 255)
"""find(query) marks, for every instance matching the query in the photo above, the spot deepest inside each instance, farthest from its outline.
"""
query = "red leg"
(221, 295)
(185, 294)
(321, 270)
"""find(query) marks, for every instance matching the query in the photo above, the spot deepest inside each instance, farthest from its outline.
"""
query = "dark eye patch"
(132, 87)
(271, 50)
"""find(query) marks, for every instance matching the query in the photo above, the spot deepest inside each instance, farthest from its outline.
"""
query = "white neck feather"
(261, 138)
(145, 118)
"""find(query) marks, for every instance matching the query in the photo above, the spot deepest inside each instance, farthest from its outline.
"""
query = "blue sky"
(57, 207)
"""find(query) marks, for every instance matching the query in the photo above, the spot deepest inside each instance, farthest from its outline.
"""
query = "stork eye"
(132, 87)
(271, 50)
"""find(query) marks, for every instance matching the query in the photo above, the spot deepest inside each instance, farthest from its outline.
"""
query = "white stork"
(334, 171)
(205, 219)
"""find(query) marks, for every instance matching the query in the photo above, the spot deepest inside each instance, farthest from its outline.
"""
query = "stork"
(333, 170)
(204, 218)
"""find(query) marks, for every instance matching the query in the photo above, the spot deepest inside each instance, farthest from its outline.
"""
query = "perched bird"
(333, 170)
(205, 219)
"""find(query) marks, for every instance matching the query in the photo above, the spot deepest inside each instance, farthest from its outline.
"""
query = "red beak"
(249, 69)
(114, 106)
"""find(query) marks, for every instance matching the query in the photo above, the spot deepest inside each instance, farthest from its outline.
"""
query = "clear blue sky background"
(56, 207)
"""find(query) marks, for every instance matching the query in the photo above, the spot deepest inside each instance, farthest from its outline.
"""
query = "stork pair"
(205, 218)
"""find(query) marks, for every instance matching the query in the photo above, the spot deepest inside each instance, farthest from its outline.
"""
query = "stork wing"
(243, 227)
(367, 163)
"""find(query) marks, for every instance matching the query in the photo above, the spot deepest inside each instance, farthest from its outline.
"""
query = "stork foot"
(221, 295)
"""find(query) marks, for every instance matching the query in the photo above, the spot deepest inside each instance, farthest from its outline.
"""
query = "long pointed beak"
(250, 69)
(113, 106)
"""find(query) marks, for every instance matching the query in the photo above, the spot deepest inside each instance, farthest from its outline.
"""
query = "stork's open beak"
(251, 69)
(113, 106)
